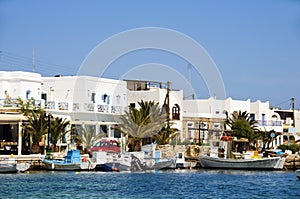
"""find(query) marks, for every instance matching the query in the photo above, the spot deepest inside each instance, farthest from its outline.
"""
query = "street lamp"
(48, 151)
(201, 128)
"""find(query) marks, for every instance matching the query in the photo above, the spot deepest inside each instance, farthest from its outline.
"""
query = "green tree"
(26, 107)
(37, 127)
(86, 135)
(58, 129)
(144, 122)
(165, 135)
(243, 126)
(267, 138)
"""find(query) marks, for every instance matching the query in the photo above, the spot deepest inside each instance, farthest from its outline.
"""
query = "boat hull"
(60, 166)
(298, 173)
(8, 168)
(220, 163)
(186, 165)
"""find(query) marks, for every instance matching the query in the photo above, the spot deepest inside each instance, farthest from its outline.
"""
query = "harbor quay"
(191, 154)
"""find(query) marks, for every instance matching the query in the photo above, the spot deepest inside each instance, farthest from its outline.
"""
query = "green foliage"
(179, 142)
(243, 126)
(265, 136)
(86, 135)
(58, 129)
(165, 135)
(26, 107)
(144, 122)
(38, 122)
(293, 147)
(37, 125)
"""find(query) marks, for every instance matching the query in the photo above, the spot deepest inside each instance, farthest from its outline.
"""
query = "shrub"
(293, 147)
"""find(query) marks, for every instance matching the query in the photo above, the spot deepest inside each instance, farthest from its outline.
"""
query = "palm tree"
(243, 126)
(144, 122)
(86, 136)
(58, 129)
(267, 138)
(27, 106)
(37, 127)
(165, 135)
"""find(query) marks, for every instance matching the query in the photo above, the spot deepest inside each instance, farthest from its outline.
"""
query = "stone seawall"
(292, 161)
(192, 152)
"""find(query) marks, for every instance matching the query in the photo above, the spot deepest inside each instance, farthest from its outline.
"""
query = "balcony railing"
(269, 123)
(14, 103)
(88, 107)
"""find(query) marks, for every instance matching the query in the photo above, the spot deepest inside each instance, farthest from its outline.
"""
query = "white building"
(19, 84)
(156, 91)
(13, 85)
(86, 100)
(213, 113)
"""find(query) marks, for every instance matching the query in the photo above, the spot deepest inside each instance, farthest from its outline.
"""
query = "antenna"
(33, 67)
(189, 67)
(293, 108)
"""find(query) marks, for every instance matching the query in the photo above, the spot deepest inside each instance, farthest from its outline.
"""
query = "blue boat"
(71, 162)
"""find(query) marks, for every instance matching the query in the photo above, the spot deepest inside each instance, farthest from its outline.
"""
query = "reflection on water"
(156, 184)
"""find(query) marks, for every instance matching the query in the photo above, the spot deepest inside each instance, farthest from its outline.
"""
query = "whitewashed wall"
(20, 84)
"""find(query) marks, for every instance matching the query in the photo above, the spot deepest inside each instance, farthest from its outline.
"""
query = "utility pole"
(293, 108)
(33, 67)
(168, 104)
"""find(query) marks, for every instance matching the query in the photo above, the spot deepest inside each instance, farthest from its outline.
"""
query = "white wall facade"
(20, 84)
(85, 94)
(213, 109)
(159, 95)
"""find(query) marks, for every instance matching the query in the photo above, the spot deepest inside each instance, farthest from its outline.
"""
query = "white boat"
(72, 162)
(10, 165)
(22, 167)
(181, 163)
(131, 161)
(220, 158)
(297, 172)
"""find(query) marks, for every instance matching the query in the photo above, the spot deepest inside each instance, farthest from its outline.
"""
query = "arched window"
(176, 112)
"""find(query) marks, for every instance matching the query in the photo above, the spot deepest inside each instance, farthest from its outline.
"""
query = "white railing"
(269, 122)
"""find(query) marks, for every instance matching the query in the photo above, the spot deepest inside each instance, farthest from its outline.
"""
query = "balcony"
(86, 107)
(269, 122)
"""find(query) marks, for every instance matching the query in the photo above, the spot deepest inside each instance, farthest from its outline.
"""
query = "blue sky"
(255, 44)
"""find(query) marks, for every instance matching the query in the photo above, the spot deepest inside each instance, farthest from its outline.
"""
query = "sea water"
(160, 184)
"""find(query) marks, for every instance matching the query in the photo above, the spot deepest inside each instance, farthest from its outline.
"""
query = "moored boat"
(131, 161)
(297, 172)
(8, 166)
(181, 163)
(71, 162)
(221, 158)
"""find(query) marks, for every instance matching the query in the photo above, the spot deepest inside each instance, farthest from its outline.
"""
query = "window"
(176, 112)
(252, 116)
(93, 97)
(28, 94)
(132, 105)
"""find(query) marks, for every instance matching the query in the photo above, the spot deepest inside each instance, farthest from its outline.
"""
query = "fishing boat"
(10, 165)
(181, 163)
(71, 162)
(297, 172)
(222, 157)
(131, 161)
